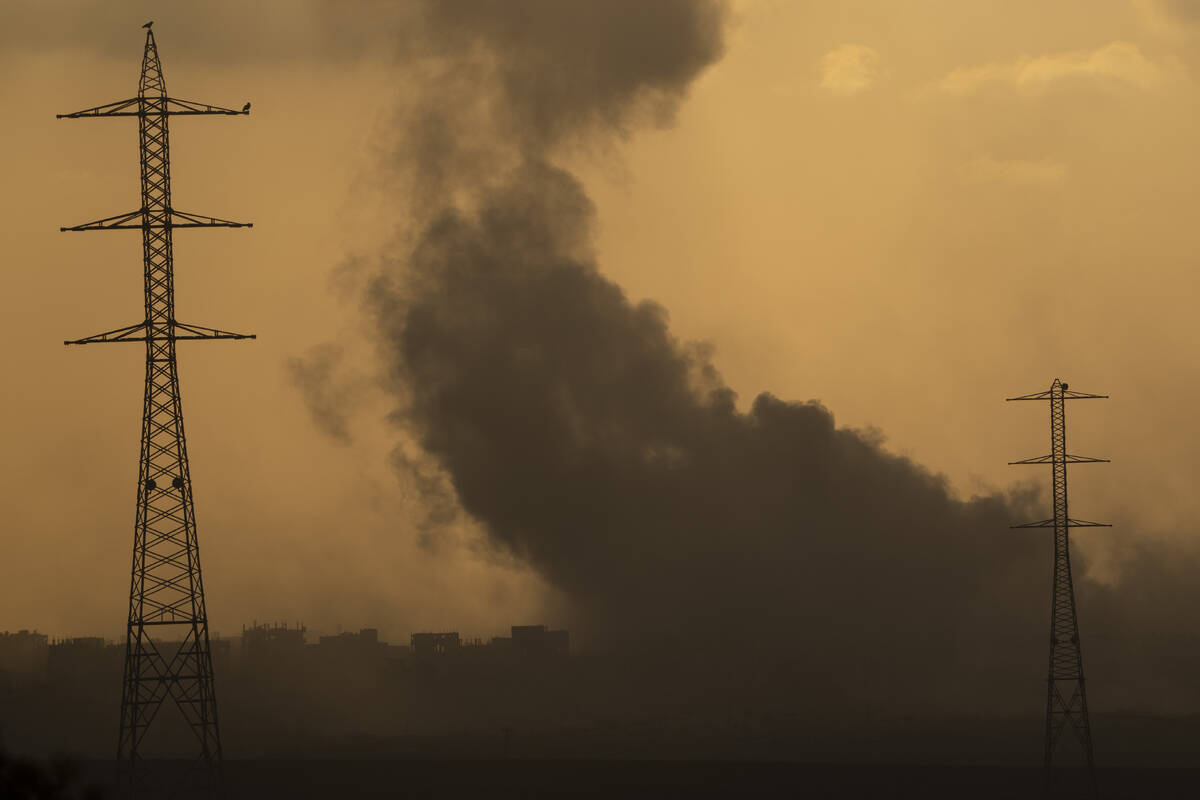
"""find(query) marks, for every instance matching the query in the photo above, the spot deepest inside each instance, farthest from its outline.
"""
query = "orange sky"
(908, 211)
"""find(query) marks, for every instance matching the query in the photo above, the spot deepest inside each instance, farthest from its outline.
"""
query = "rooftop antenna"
(1066, 698)
(166, 593)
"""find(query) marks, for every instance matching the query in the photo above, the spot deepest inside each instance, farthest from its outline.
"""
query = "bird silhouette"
(245, 108)
(148, 24)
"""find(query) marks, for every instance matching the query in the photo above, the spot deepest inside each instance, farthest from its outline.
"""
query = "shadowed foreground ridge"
(57, 779)
(535, 778)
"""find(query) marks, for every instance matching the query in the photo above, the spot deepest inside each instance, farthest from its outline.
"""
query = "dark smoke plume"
(756, 551)
(330, 398)
(609, 456)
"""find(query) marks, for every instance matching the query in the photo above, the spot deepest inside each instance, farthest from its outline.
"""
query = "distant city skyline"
(308, 636)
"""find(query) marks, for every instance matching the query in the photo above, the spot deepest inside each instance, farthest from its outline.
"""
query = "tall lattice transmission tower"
(1066, 696)
(166, 594)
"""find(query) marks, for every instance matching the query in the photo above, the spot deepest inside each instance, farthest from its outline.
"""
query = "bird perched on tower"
(148, 24)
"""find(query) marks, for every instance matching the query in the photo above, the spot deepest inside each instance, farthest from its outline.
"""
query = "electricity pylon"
(166, 594)
(1066, 697)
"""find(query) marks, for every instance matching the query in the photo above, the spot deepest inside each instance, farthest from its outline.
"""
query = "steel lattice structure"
(166, 595)
(1066, 695)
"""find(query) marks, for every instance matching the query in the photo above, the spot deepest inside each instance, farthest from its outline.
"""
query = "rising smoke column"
(768, 548)
(593, 445)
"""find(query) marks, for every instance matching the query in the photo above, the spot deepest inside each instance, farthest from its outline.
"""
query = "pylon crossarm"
(176, 330)
(182, 331)
(182, 219)
(119, 222)
(1071, 523)
(135, 220)
(117, 109)
(1034, 396)
(1069, 459)
(1046, 523)
(1066, 395)
(126, 334)
(175, 106)
(132, 108)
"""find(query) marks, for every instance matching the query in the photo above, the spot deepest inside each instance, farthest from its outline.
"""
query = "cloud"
(1015, 172)
(850, 69)
(1114, 63)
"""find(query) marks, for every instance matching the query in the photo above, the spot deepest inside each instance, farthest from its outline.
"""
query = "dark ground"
(1142, 756)
(521, 778)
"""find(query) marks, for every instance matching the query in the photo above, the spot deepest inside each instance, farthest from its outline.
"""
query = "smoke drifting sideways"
(743, 554)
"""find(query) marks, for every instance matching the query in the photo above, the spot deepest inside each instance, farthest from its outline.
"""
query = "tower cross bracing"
(166, 595)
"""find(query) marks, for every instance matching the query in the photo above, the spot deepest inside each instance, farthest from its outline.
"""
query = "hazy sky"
(907, 211)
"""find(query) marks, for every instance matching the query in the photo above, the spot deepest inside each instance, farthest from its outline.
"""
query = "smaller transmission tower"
(1066, 698)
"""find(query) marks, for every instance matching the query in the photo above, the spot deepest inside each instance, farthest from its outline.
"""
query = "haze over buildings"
(286, 691)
